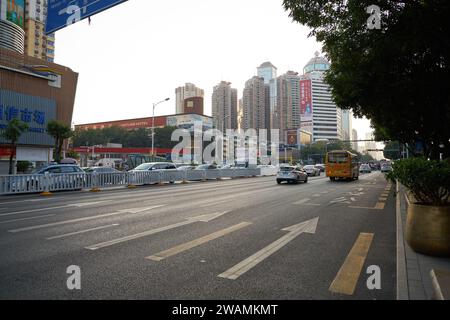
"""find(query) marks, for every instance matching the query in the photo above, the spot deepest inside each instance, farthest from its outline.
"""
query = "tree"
(398, 76)
(12, 132)
(60, 131)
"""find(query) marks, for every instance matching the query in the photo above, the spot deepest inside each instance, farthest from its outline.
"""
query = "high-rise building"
(37, 44)
(189, 90)
(347, 123)
(193, 105)
(286, 113)
(355, 140)
(254, 104)
(268, 72)
(371, 145)
(224, 106)
(12, 25)
(326, 116)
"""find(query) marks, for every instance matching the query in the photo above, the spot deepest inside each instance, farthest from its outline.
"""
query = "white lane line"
(47, 225)
(294, 231)
(302, 201)
(78, 205)
(203, 218)
(353, 199)
(33, 210)
(197, 242)
(82, 231)
(30, 218)
(317, 195)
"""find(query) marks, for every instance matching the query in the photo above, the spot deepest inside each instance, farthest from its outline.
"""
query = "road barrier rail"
(17, 184)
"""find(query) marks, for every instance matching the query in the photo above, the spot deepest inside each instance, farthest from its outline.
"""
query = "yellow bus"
(342, 164)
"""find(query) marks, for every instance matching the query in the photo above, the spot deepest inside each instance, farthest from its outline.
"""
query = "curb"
(402, 277)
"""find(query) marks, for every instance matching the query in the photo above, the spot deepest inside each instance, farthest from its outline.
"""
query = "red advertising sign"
(306, 107)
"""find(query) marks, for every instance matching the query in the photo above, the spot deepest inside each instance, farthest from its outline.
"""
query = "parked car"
(291, 174)
(365, 168)
(206, 167)
(320, 166)
(386, 168)
(151, 166)
(57, 172)
(185, 167)
(311, 170)
(101, 170)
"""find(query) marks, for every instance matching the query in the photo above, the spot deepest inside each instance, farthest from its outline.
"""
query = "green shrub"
(23, 166)
(429, 181)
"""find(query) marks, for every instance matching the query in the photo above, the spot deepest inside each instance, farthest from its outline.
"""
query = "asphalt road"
(230, 239)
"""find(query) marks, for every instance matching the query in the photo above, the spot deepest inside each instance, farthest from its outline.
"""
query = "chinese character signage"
(62, 13)
(34, 111)
(306, 105)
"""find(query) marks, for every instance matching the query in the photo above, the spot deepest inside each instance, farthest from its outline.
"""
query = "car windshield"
(337, 157)
(287, 168)
(144, 166)
(308, 167)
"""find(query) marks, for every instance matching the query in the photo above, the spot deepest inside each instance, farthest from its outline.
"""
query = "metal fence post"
(184, 177)
(160, 178)
(46, 191)
(131, 177)
(95, 184)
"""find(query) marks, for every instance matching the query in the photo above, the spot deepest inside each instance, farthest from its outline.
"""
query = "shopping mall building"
(34, 91)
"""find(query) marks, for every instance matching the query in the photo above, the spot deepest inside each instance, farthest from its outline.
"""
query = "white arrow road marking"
(294, 231)
(137, 210)
(24, 219)
(78, 205)
(202, 218)
(82, 231)
(197, 242)
(70, 221)
(302, 201)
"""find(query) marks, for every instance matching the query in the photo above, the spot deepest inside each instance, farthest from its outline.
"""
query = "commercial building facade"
(189, 90)
(319, 113)
(34, 94)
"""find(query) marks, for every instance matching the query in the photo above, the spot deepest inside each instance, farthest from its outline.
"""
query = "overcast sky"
(138, 52)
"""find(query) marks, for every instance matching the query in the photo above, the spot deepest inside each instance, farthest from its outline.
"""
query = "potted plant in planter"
(428, 220)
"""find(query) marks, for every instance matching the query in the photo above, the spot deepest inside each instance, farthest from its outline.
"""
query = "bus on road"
(342, 164)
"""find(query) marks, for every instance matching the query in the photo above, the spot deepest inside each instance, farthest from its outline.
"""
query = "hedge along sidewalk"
(413, 269)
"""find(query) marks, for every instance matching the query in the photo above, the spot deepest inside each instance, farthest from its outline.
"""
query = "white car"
(311, 170)
(291, 174)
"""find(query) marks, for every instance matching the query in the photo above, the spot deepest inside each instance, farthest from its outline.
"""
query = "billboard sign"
(306, 107)
(14, 12)
(62, 13)
(36, 112)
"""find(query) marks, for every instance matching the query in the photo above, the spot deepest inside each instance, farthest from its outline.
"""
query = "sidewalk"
(413, 269)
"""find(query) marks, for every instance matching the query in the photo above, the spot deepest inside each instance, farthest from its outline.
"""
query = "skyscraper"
(37, 44)
(189, 90)
(254, 104)
(224, 106)
(355, 138)
(286, 113)
(268, 72)
(326, 116)
(12, 25)
(347, 116)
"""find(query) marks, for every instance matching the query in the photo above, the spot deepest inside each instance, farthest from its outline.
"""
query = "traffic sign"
(62, 13)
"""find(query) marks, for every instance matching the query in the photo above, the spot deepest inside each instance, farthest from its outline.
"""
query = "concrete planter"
(428, 229)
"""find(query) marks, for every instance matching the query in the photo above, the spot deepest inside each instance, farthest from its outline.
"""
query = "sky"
(138, 52)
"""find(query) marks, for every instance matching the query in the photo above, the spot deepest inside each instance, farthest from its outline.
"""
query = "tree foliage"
(60, 131)
(397, 76)
(139, 138)
(12, 133)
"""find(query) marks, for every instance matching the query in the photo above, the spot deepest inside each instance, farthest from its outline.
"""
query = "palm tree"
(12, 132)
(60, 131)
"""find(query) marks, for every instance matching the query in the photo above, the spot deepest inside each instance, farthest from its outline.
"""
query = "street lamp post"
(153, 125)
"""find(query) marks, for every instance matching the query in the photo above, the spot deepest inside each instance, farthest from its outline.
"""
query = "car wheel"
(306, 179)
(278, 181)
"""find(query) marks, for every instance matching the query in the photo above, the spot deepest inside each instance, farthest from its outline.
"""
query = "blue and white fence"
(16, 184)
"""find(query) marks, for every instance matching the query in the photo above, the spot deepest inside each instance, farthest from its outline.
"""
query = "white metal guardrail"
(17, 184)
